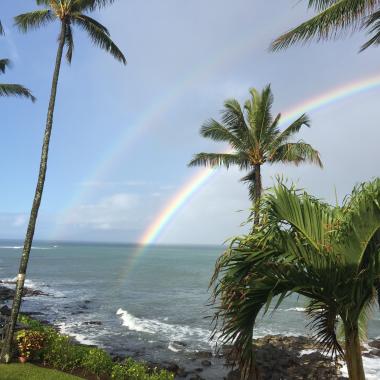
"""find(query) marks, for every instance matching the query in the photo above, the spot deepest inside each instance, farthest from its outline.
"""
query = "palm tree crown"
(328, 254)
(72, 13)
(255, 138)
(335, 16)
(12, 89)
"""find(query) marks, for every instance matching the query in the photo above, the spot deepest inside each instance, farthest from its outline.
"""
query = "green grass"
(31, 372)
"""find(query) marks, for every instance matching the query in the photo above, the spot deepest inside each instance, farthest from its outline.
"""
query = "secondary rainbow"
(182, 197)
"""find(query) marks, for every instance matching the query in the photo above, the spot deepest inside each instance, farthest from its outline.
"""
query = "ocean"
(154, 308)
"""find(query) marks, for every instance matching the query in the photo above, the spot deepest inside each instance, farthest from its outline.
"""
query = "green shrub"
(119, 372)
(97, 361)
(62, 354)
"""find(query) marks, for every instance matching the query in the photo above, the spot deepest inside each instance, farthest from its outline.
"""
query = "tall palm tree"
(12, 89)
(328, 254)
(255, 139)
(335, 16)
(68, 13)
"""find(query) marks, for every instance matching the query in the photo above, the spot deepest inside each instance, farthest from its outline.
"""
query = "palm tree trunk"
(258, 190)
(354, 355)
(6, 351)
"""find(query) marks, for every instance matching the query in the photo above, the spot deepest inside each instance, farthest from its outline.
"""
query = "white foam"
(69, 329)
(153, 326)
(299, 309)
(173, 348)
(21, 247)
(371, 368)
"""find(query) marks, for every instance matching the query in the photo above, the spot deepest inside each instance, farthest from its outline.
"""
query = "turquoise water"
(144, 310)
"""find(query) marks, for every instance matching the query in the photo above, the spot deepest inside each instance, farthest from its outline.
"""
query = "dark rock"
(198, 370)
(171, 367)
(182, 372)
(5, 310)
(95, 323)
(375, 344)
(203, 355)
(206, 363)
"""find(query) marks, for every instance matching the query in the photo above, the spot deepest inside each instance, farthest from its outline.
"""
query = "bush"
(61, 353)
(30, 343)
(97, 361)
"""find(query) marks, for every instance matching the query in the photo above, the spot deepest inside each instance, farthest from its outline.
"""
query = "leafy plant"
(30, 343)
(328, 254)
(97, 361)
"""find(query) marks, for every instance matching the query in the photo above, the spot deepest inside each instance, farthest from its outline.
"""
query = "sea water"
(152, 303)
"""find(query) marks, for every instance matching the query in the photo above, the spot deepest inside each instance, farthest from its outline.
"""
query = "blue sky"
(185, 57)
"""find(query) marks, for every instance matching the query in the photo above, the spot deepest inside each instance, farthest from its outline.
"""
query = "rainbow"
(152, 233)
(197, 181)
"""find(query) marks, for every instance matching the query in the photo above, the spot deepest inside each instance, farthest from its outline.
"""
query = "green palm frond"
(250, 179)
(373, 26)
(99, 36)
(361, 229)
(4, 63)
(291, 130)
(16, 90)
(296, 153)
(69, 41)
(233, 118)
(334, 17)
(34, 19)
(219, 159)
(217, 132)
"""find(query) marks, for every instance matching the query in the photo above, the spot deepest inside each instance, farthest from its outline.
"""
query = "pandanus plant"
(328, 254)
(68, 14)
(255, 139)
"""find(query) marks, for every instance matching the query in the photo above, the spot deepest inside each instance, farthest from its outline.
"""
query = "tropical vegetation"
(44, 345)
(255, 139)
(328, 254)
(69, 14)
(335, 16)
(12, 89)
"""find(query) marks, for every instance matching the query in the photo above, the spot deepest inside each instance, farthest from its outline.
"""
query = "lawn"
(31, 372)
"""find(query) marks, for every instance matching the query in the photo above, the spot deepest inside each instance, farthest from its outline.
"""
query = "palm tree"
(256, 139)
(12, 89)
(330, 255)
(68, 13)
(335, 16)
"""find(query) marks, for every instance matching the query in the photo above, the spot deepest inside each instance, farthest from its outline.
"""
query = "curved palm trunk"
(7, 346)
(258, 190)
(354, 354)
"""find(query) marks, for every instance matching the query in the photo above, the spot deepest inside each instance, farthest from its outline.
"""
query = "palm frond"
(1, 28)
(4, 63)
(250, 179)
(16, 90)
(291, 130)
(69, 42)
(373, 24)
(219, 159)
(34, 19)
(99, 36)
(217, 132)
(233, 118)
(296, 153)
(340, 15)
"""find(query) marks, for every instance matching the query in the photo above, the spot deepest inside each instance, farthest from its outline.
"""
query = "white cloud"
(19, 221)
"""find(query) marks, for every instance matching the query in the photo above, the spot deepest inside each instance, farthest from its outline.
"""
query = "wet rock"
(93, 323)
(203, 355)
(375, 344)
(182, 372)
(5, 310)
(171, 367)
(206, 363)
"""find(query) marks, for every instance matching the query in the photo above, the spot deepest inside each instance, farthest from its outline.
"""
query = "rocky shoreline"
(278, 357)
